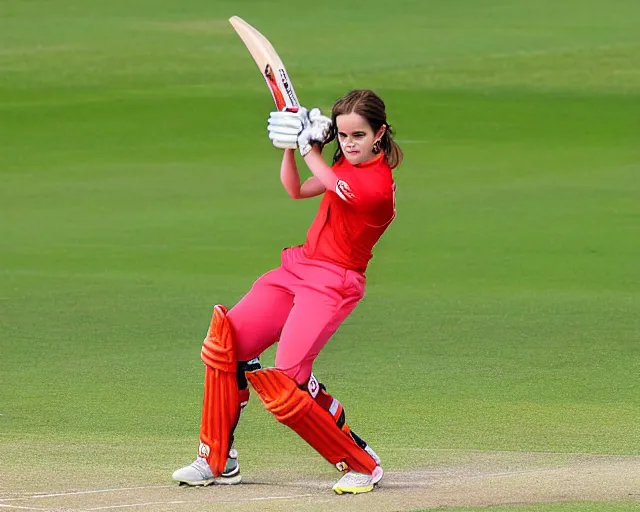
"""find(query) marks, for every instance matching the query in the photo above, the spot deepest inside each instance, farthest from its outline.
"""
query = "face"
(356, 137)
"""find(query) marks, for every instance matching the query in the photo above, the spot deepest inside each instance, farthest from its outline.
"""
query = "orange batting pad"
(221, 403)
(300, 412)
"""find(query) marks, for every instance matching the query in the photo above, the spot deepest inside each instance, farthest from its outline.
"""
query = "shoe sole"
(196, 483)
(228, 480)
(377, 476)
(234, 480)
(353, 490)
(231, 478)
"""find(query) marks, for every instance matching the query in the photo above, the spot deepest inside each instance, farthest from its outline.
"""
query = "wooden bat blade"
(268, 62)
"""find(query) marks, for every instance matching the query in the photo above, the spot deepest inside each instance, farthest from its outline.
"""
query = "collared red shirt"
(352, 218)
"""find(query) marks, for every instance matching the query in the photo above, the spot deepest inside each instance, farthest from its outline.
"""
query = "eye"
(342, 135)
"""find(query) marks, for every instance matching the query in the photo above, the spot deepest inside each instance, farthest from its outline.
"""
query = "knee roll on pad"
(299, 411)
(218, 348)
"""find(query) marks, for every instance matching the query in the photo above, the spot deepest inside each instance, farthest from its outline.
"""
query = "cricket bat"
(269, 63)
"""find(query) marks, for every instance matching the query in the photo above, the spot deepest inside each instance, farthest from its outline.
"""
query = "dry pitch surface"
(461, 479)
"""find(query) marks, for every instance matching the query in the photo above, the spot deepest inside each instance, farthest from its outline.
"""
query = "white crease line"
(266, 498)
(406, 484)
(16, 507)
(74, 493)
(462, 451)
(146, 504)
(439, 481)
(241, 500)
(434, 473)
(512, 473)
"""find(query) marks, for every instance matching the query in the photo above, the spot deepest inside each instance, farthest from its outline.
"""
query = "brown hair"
(370, 106)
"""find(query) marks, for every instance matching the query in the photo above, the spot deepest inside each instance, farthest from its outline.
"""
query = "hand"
(302, 129)
(321, 127)
(283, 128)
(317, 129)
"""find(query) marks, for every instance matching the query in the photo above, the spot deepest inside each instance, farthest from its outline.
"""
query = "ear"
(380, 132)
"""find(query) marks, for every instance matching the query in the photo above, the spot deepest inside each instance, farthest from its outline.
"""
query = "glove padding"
(284, 127)
(321, 127)
(302, 129)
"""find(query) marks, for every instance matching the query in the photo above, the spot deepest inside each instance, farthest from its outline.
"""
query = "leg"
(244, 331)
(257, 321)
(297, 362)
(314, 318)
(316, 315)
(221, 402)
(354, 481)
(259, 316)
(298, 369)
(331, 404)
(299, 411)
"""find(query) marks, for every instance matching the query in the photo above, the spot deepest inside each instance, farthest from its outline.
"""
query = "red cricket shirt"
(353, 217)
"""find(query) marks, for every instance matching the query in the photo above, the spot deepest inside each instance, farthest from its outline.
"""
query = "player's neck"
(371, 161)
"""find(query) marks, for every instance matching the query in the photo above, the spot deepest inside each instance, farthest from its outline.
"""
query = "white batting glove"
(321, 127)
(316, 129)
(284, 128)
(305, 139)
(302, 129)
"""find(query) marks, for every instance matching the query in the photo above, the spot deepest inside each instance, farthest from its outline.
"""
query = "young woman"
(302, 303)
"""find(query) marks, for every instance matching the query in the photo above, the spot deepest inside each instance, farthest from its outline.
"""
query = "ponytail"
(391, 149)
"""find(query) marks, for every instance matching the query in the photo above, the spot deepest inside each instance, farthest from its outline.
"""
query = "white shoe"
(231, 472)
(355, 483)
(196, 473)
(199, 472)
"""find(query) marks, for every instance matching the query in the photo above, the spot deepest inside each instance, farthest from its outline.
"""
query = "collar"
(369, 163)
(374, 161)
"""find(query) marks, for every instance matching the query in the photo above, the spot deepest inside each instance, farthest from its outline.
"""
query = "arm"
(320, 169)
(290, 179)
(360, 194)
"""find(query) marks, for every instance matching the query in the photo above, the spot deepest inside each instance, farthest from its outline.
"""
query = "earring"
(376, 147)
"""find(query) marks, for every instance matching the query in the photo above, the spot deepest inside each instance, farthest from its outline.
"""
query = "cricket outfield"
(494, 361)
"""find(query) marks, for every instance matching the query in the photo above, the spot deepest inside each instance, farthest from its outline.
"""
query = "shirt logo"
(344, 191)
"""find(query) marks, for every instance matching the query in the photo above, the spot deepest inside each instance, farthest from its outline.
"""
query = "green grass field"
(138, 187)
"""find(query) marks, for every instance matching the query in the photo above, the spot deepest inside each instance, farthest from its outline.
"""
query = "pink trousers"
(301, 304)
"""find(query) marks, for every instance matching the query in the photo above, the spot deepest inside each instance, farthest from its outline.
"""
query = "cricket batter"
(302, 303)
